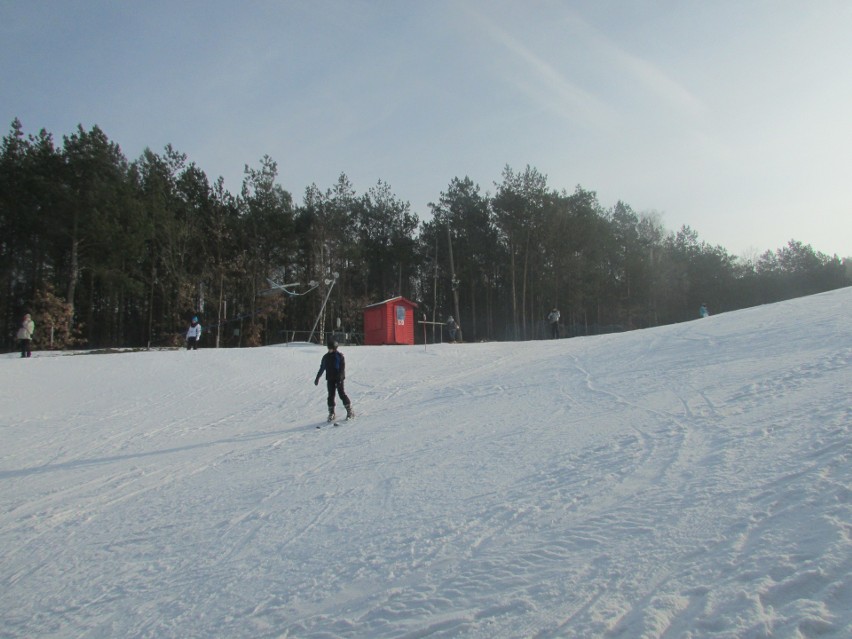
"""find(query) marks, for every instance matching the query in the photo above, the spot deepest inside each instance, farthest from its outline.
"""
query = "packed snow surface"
(685, 481)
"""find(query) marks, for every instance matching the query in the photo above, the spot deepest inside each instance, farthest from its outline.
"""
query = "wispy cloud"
(646, 74)
(611, 64)
(544, 82)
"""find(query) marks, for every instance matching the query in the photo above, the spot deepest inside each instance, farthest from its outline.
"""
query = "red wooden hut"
(389, 322)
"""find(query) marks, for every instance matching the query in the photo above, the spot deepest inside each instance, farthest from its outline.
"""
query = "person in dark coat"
(334, 365)
(553, 318)
(452, 329)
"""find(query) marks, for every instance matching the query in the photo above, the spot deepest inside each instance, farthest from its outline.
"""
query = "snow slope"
(686, 481)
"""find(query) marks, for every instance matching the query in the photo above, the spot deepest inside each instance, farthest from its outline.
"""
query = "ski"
(335, 422)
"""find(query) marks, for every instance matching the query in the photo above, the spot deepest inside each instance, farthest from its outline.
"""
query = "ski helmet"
(332, 343)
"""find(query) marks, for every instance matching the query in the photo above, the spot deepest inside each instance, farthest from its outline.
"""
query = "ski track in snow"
(685, 481)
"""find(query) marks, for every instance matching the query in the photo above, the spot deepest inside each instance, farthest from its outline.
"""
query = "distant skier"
(553, 318)
(193, 335)
(452, 329)
(703, 312)
(25, 336)
(334, 365)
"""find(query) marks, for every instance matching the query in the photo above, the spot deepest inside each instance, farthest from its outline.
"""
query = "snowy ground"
(686, 481)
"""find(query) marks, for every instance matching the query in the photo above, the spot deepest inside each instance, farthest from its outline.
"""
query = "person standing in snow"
(334, 365)
(553, 318)
(452, 328)
(25, 336)
(703, 312)
(193, 335)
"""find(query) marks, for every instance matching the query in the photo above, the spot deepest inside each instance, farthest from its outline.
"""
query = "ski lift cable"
(292, 293)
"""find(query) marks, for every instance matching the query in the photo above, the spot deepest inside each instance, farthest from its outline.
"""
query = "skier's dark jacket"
(334, 365)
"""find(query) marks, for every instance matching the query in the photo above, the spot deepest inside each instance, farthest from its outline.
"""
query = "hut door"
(399, 325)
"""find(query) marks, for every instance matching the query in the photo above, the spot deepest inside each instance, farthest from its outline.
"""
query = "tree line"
(107, 252)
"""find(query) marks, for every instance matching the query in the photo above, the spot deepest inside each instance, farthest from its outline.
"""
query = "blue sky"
(730, 116)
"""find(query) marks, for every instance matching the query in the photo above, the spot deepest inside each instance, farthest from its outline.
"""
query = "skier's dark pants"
(192, 343)
(336, 386)
(554, 330)
(25, 347)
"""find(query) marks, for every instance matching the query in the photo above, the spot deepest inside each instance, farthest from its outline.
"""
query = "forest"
(105, 253)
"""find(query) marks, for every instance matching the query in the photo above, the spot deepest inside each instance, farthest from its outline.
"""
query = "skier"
(553, 318)
(703, 312)
(25, 336)
(452, 327)
(334, 365)
(193, 335)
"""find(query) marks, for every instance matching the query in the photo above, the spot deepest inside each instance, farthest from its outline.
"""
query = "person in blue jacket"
(193, 335)
(703, 312)
(334, 365)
